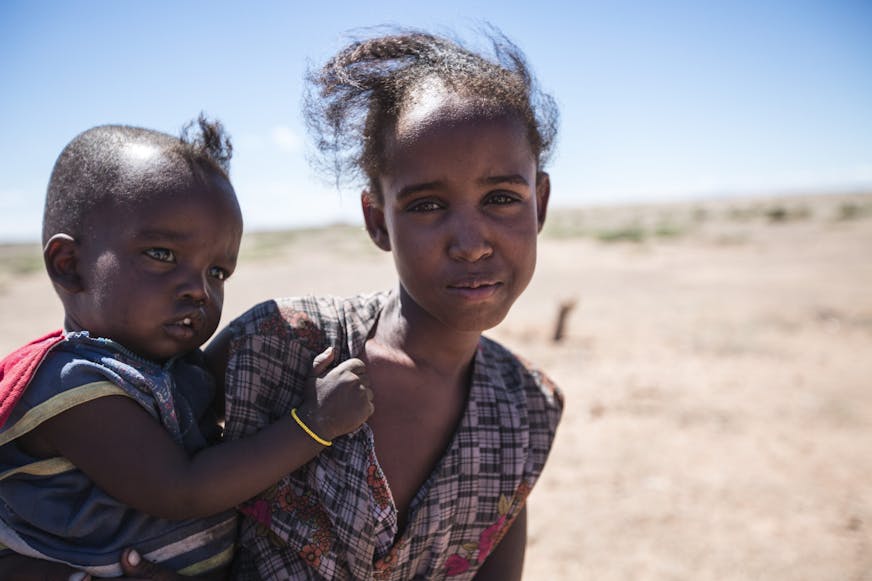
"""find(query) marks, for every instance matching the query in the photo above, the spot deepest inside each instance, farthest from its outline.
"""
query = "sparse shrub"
(743, 214)
(800, 213)
(853, 211)
(777, 214)
(566, 224)
(785, 213)
(849, 211)
(732, 238)
(668, 230)
(631, 233)
(20, 259)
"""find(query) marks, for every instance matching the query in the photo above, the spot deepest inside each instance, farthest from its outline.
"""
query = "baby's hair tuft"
(93, 169)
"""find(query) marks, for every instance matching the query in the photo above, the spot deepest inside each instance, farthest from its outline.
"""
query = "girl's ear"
(543, 193)
(374, 217)
(61, 255)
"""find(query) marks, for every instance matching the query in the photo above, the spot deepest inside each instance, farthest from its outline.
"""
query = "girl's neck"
(405, 328)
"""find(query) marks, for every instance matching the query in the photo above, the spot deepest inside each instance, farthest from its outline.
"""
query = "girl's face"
(152, 273)
(462, 207)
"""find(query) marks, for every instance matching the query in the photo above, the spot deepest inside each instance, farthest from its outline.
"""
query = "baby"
(105, 427)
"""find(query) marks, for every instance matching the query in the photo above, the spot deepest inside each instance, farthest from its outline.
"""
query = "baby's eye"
(161, 254)
(219, 273)
(423, 206)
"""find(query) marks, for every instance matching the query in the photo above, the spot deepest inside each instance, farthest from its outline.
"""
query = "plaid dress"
(335, 518)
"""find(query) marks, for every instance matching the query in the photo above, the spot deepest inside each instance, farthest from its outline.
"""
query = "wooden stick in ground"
(563, 310)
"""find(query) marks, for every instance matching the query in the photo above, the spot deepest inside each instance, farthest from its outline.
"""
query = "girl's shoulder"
(316, 321)
(521, 399)
(518, 376)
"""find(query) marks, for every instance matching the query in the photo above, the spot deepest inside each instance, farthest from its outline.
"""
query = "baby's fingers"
(322, 361)
(353, 365)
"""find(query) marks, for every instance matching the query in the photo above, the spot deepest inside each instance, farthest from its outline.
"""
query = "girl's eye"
(161, 254)
(219, 273)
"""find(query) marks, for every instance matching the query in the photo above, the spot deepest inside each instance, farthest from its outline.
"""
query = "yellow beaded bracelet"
(308, 430)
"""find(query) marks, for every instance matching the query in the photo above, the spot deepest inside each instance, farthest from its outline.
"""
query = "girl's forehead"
(436, 105)
(437, 113)
(458, 150)
(451, 120)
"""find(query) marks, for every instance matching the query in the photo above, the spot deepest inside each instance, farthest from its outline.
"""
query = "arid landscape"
(717, 370)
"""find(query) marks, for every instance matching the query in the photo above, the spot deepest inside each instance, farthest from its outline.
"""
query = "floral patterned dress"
(335, 518)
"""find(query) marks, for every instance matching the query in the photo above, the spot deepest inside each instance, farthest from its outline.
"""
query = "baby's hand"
(339, 402)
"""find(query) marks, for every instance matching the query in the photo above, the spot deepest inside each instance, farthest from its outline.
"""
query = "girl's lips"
(475, 291)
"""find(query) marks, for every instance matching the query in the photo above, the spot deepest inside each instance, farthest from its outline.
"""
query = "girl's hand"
(339, 402)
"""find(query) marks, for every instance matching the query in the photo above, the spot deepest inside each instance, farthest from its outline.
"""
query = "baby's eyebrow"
(415, 188)
(158, 234)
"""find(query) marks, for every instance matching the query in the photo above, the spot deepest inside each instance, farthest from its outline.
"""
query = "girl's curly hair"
(356, 97)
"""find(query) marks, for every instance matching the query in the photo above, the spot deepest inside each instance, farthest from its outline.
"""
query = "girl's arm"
(506, 562)
(130, 455)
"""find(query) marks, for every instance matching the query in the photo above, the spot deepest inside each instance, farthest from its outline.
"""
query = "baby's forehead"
(149, 163)
(149, 170)
(157, 198)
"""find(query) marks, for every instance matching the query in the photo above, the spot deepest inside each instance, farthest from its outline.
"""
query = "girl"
(450, 146)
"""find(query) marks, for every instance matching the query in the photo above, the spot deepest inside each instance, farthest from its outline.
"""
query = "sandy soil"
(717, 373)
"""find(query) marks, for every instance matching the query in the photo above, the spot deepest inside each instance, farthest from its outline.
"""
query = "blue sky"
(659, 99)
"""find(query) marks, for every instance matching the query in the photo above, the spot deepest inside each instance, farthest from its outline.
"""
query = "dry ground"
(717, 374)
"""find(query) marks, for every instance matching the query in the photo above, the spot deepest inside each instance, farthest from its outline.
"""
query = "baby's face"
(153, 271)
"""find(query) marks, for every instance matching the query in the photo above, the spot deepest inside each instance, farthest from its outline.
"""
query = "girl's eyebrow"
(514, 179)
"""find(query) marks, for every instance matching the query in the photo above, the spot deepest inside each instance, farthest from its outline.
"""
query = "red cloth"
(19, 367)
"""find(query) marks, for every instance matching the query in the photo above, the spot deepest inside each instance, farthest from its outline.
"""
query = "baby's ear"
(61, 256)
(374, 218)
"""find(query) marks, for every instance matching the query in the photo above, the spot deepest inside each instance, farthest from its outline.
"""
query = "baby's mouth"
(183, 322)
(190, 322)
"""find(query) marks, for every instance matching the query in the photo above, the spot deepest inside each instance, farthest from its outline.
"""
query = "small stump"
(563, 310)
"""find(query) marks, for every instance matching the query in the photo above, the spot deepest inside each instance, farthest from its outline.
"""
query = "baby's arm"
(130, 455)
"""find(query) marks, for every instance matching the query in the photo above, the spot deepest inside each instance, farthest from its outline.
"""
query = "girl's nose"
(469, 240)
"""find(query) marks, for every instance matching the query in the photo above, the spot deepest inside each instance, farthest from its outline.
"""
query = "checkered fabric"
(335, 517)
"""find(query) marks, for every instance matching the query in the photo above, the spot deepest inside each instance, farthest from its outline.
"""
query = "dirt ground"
(717, 370)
